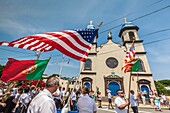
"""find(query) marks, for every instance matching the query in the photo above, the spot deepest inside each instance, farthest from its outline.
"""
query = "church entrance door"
(145, 88)
(113, 86)
(87, 84)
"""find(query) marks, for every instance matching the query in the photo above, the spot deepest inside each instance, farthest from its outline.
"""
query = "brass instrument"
(7, 92)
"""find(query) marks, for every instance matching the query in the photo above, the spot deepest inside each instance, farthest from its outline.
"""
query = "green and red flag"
(135, 67)
(23, 69)
(129, 59)
(131, 67)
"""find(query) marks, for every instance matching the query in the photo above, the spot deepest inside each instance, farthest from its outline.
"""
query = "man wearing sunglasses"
(120, 102)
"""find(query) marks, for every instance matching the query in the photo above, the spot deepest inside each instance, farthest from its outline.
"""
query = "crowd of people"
(48, 99)
(154, 99)
(53, 97)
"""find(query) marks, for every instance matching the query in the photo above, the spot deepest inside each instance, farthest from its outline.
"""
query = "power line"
(150, 13)
(122, 48)
(113, 28)
(163, 30)
(132, 12)
(138, 18)
(156, 41)
(136, 46)
(151, 33)
(107, 44)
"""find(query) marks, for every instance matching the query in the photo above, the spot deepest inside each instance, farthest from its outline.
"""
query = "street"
(104, 109)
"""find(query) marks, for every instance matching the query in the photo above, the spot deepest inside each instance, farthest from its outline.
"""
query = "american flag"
(74, 43)
(130, 55)
(129, 59)
(127, 67)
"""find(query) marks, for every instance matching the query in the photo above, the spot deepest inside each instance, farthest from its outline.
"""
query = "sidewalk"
(140, 106)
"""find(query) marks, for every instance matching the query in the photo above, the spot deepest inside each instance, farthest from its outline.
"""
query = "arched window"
(88, 64)
(131, 36)
(140, 66)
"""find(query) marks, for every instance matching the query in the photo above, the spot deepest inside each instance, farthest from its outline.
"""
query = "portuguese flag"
(135, 67)
(23, 69)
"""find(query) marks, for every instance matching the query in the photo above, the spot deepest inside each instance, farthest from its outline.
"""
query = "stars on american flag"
(87, 34)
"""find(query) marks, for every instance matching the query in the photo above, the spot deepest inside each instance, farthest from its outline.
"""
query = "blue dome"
(127, 24)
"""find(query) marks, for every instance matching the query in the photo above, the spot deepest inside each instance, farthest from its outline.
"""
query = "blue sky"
(19, 18)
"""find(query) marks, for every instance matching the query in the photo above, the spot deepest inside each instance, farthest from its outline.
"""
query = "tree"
(1, 68)
(166, 83)
(160, 88)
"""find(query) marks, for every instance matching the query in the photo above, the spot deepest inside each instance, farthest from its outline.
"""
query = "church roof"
(127, 24)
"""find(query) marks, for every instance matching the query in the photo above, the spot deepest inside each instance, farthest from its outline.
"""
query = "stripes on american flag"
(74, 43)
(130, 55)
(127, 67)
(129, 59)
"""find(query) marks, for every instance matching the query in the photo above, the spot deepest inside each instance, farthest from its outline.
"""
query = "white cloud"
(17, 28)
(159, 56)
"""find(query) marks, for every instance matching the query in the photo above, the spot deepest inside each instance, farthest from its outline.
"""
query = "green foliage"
(161, 88)
(165, 82)
(1, 68)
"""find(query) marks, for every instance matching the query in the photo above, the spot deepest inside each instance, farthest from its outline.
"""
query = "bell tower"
(128, 34)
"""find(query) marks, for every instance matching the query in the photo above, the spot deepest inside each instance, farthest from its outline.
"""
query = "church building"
(102, 69)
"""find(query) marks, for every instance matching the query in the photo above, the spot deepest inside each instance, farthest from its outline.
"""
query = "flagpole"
(61, 67)
(138, 78)
(38, 56)
(129, 90)
(77, 78)
(138, 88)
(133, 42)
(44, 70)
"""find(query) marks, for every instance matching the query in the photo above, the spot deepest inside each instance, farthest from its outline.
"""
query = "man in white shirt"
(133, 101)
(86, 104)
(43, 102)
(121, 103)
